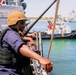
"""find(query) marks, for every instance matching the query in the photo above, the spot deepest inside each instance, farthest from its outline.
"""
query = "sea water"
(63, 56)
(63, 52)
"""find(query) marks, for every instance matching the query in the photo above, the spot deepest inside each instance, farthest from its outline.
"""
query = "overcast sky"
(36, 7)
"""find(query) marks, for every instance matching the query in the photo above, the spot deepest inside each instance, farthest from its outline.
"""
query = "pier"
(59, 18)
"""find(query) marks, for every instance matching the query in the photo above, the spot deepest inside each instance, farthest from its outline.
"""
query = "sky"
(36, 7)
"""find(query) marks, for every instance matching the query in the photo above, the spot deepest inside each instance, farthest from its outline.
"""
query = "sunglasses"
(24, 22)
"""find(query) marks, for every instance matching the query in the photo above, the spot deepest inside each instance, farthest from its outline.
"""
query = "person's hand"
(47, 65)
(31, 35)
(32, 43)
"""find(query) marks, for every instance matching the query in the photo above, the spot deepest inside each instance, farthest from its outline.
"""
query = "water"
(63, 52)
(63, 56)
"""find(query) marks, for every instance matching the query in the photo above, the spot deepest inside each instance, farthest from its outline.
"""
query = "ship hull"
(58, 36)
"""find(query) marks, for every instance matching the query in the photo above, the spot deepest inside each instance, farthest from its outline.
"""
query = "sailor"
(16, 54)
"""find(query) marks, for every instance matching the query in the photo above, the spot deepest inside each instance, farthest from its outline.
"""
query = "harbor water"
(63, 51)
(63, 56)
